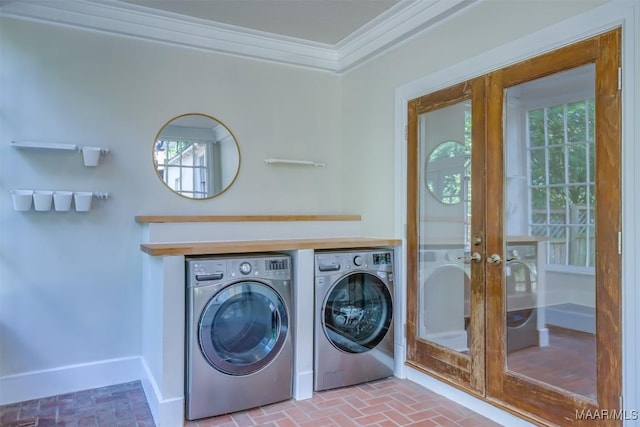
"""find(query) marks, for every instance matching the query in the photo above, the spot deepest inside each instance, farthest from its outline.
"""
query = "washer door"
(357, 313)
(243, 328)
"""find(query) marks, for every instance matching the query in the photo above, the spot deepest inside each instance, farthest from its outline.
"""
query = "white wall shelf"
(90, 155)
(274, 161)
(44, 145)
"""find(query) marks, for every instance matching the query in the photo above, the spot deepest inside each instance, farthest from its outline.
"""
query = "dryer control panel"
(209, 271)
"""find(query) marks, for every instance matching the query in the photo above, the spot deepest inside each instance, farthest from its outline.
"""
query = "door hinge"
(619, 242)
(621, 399)
(619, 78)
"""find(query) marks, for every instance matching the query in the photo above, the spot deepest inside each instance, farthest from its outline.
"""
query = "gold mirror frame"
(196, 156)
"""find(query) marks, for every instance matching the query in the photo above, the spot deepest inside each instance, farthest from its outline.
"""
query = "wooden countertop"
(146, 219)
(211, 248)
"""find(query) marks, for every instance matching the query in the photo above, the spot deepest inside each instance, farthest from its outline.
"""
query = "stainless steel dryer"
(353, 340)
(239, 348)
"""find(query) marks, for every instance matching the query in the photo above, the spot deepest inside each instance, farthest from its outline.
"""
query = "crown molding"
(392, 28)
(403, 20)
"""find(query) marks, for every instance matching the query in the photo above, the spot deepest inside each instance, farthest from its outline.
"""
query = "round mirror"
(196, 156)
(447, 172)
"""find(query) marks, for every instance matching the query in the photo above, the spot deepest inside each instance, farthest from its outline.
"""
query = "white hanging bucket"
(42, 200)
(91, 155)
(83, 201)
(62, 200)
(22, 199)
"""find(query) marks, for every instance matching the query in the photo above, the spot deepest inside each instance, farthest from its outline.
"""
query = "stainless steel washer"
(239, 348)
(353, 340)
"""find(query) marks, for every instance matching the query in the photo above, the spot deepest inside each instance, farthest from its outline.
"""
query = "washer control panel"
(328, 263)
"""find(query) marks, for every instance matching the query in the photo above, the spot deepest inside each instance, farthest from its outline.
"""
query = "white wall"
(70, 283)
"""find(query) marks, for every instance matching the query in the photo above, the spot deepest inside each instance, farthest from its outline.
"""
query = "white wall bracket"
(101, 195)
(273, 161)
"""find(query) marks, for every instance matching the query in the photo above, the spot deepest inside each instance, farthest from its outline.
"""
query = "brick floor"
(122, 405)
(384, 403)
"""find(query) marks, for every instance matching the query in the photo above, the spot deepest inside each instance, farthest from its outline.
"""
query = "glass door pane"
(549, 216)
(444, 226)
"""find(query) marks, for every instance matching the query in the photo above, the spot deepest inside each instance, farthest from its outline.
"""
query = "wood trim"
(212, 248)
(608, 222)
(413, 213)
(562, 59)
(477, 292)
(146, 219)
(495, 303)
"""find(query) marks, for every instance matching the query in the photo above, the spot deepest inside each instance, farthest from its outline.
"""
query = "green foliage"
(561, 153)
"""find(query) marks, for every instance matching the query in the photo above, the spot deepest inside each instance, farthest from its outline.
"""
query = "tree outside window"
(560, 142)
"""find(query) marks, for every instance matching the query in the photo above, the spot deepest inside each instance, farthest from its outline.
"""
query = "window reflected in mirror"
(196, 156)
(447, 172)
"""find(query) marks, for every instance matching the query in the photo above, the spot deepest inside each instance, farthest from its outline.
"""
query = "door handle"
(494, 259)
(474, 257)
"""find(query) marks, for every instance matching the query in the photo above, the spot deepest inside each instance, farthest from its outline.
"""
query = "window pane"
(592, 163)
(538, 168)
(576, 122)
(538, 230)
(557, 198)
(555, 125)
(556, 165)
(577, 162)
(578, 196)
(539, 199)
(536, 128)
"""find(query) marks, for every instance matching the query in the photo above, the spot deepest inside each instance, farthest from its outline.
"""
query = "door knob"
(474, 257)
(494, 259)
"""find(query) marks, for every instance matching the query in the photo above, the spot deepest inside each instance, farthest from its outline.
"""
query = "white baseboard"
(303, 385)
(69, 379)
(166, 412)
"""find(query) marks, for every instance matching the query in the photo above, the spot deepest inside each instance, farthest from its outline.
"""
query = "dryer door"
(243, 328)
(357, 312)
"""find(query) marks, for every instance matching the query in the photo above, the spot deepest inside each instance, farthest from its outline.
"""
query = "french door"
(513, 232)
